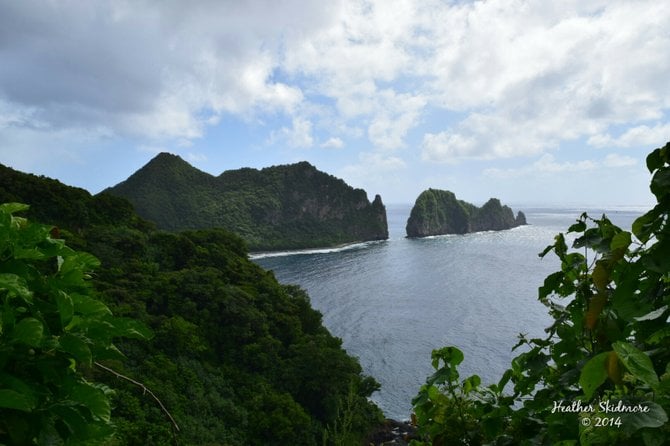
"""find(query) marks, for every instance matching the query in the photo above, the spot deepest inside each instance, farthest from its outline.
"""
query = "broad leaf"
(16, 285)
(653, 416)
(620, 241)
(29, 331)
(637, 363)
(65, 308)
(89, 306)
(11, 399)
(12, 208)
(129, 328)
(92, 398)
(593, 374)
(77, 347)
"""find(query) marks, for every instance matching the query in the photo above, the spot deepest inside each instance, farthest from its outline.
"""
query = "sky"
(533, 102)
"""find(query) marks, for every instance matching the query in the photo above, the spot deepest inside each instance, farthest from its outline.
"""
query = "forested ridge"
(236, 358)
(279, 207)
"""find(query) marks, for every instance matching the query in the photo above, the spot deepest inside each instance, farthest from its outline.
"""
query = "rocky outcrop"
(279, 207)
(438, 212)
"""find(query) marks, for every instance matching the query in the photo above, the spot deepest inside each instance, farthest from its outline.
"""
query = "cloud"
(299, 135)
(447, 147)
(511, 78)
(148, 69)
(372, 165)
(332, 143)
(615, 160)
(547, 165)
(396, 115)
(640, 136)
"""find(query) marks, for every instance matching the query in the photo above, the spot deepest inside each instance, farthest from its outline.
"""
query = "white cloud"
(447, 147)
(512, 78)
(299, 135)
(616, 160)
(333, 143)
(640, 136)
(547, 165)
(372, 164)
(396, 114)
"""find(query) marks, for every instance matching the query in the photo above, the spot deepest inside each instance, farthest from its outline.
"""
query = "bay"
(393, 302)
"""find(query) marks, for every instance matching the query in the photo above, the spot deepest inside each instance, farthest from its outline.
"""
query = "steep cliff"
(279, 207)
(437, 212)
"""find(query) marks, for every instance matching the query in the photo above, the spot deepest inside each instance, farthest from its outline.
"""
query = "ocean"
(392, 302)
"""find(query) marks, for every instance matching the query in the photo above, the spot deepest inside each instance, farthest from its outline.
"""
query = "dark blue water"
(393, 302)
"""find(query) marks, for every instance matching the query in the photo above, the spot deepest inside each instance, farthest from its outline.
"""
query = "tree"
(602, 374)
(53, 329)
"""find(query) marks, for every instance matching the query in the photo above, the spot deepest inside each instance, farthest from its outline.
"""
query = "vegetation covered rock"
(438, 212)
(280, 207)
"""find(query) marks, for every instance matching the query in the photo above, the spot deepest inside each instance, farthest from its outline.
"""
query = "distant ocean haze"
(393, 302)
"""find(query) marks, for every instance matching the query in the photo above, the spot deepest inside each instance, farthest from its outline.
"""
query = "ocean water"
(393, 302)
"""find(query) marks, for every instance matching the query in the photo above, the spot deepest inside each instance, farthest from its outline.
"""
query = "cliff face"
(279, 207)
(437, 212)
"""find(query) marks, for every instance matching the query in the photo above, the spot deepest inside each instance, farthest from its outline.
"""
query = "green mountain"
(237, 358)
(437, 212)
(279, 207)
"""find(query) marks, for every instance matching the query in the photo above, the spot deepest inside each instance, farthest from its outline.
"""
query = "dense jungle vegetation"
(280, 207)
(235, 357)
(602, 374)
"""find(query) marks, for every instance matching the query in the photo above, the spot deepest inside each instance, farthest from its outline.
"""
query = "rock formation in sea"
(438, 212)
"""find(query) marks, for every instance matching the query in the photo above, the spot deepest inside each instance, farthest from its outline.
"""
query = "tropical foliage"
(236, 357)
(602, 374)
(52, 330)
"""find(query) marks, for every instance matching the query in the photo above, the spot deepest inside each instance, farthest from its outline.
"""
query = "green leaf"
(29, 331)
(637, 363)
(660, 183)
(130, 328)
(65, 308)
(73, 418)
(653, 417)
(11, 399)
(580, 226)
(88, 305)
(94, 399)
(593, 374)
(646, 224)
(471, 383)
(654, 160)
(16, 285)
(450, 355)
(551, 284)
(12, 208)
(77, 347)
(621, 240)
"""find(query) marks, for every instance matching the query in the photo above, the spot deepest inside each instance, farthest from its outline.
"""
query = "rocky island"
(438, 212)
(280, 207)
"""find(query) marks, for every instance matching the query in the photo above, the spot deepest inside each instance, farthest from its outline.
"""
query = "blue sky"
(533, 102)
